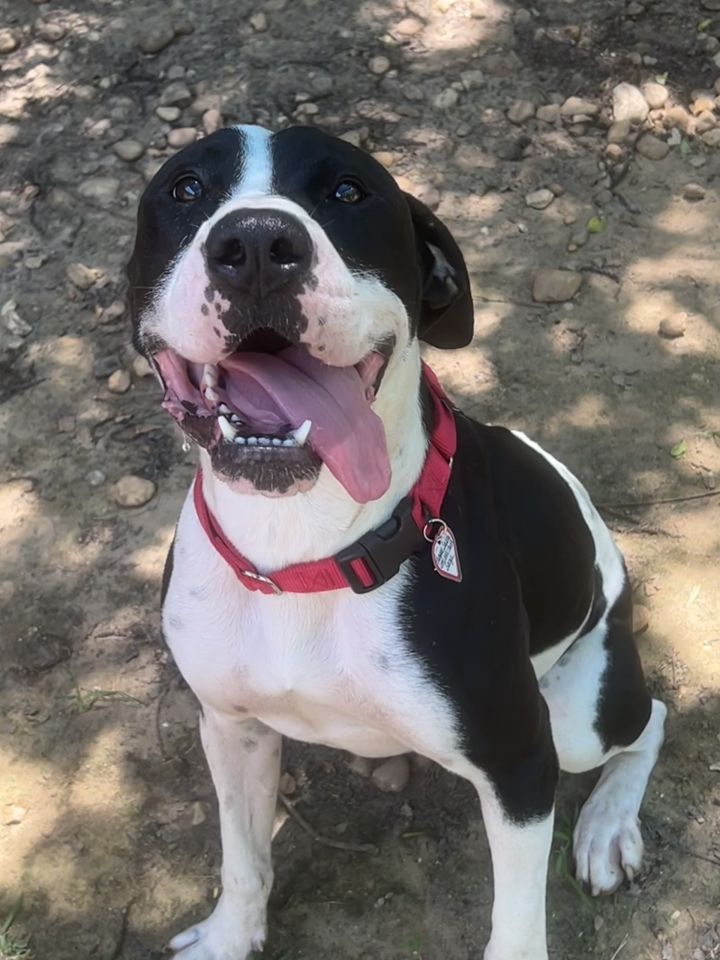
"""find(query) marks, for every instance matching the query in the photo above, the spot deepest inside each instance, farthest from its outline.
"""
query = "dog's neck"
(274, 532)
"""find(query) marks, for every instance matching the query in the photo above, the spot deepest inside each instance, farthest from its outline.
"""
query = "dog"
(358, 563)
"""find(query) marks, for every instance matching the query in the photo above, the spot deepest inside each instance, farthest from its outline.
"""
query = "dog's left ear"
(446, 316)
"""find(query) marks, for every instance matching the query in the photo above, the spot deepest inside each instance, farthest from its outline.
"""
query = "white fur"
(256, 178)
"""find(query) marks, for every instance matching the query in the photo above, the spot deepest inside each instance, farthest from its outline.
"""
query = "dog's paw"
(223, 936)
(608, 845)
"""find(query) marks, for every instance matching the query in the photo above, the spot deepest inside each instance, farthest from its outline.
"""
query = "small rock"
(128, 150)
(712, 5)
(104, 366)
(9, 41)
(34, 261)
(81, 276)
(548, 113)
(704, 123)
(634, 9)
(15, 815)
(259, 22)
(655, 94)
(168, 114)
(182, 137)
(211, 120)
(472, 79)
(522, 17)
(712, 138)
(198, 814)
(446, 99)
(574, 106)
(132, 491)
(629, 103)
(141, 367)
(12, 320)
(614, 152)
(95, 478)
(579, 237)
(288, 784)
(652, 148)
(603, 197)
(113, 312)
(693, 191)
(50, 30)
(539, 199)
(392, 775)
(356, 137)
(673, 327)
(156, 36)
(555, 286)
(119, 381)
(678, 116)
(360, 765)
(520, 111)
(641, 618)
(176, 94)
(408, 27)
(103, 190)
(510, 149)
(378, 65)
(703, 101)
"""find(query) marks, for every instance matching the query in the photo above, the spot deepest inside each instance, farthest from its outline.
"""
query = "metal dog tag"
(445, 557)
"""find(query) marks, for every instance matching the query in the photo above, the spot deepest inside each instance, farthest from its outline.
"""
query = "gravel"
(629, 103)
(156, 36)
(128, 150)
(555, 286)
(652, 148)
(132, 491)
(539, 199)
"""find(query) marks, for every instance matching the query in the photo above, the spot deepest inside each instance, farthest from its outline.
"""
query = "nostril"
(233, 253)
(283, 252)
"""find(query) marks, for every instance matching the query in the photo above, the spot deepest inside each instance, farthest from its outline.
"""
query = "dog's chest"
(331, 668)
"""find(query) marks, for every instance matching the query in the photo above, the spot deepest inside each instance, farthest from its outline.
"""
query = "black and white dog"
(358, 564)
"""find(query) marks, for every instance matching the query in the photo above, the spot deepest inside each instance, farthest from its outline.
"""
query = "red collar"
(375, 557)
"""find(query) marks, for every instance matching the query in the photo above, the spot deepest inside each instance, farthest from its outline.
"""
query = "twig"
(325, 841)
(700, 856)
(653, 503)
(621, 947)
(517, 303)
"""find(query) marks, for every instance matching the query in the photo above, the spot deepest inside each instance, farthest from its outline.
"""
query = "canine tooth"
(228, 430)
(276, 442)
(210, 375)
(224, 408)
(252, 441)
(211, 394)
(301, 434)
(234, 418)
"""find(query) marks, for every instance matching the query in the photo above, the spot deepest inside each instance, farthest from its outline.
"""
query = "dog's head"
(275, 280)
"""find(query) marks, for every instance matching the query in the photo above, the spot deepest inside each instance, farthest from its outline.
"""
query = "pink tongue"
(287, 388)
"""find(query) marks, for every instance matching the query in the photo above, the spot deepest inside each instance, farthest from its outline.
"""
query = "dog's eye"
(347, 191)
(187, 190)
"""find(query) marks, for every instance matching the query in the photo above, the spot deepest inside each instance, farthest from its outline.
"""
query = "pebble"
(641, 618)
(703, 100)
(555, 286)
(472, 79)
(197, 815)
(408, 27)
(575, 106)
(132, 491)
(539, 199)
(9, 41)
(634, 9)
(156, 36)
(212, 120)
(704, 122)
(712, 138)
(360, 765)
(81, 276)
(182, 137)
(579, 237)
(259, 22)
(287, 785)
(629, 103)
(520, 111)
(652, 148)
(95, 478)
(15, 815)
(113, 312)
(671, 328)
(614, 152)
(118, 381)
(392, 775)
(50, 30)
(12, 320)
(446, 99)
(678, 116)
(176, 94)
(141, 367)
(693, 191)
(168, 114)
(103, 190)
(378, 65)
(712, 5)
(548, 113)
(655, 94)
(128, 150)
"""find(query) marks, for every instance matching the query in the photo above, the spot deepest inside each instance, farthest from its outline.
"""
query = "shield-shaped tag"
(445, 557)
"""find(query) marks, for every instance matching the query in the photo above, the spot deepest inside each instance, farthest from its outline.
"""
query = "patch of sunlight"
(100, 783)
(148, 561)
(683, 219)
(585, 414)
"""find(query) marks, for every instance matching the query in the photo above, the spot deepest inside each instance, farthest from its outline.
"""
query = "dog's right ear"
(446, 317)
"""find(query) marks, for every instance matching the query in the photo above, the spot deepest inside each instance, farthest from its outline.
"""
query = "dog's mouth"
(271, 413)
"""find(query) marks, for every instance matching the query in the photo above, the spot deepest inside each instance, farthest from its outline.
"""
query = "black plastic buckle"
(383, 549)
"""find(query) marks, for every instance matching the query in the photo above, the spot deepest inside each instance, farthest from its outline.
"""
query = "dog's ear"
(446, 315)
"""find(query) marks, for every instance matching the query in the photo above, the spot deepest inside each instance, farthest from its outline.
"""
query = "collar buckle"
(260, 579)
(382, 550)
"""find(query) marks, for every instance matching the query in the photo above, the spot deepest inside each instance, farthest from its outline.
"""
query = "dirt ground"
(108, 829)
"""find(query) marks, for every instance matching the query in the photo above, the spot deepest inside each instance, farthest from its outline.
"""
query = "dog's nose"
(258, 251)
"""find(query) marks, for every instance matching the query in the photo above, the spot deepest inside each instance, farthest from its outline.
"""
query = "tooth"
(212, 395)
(210, 375)
(302, 432)
(276, 442)
(289, 442)
(228, 430)
(252, 441)
(224, 408)
(240, 440)
(264, 441)
(234, 418)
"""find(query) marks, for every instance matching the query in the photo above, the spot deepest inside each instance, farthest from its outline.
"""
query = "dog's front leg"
(520, 853)
(244, 760)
